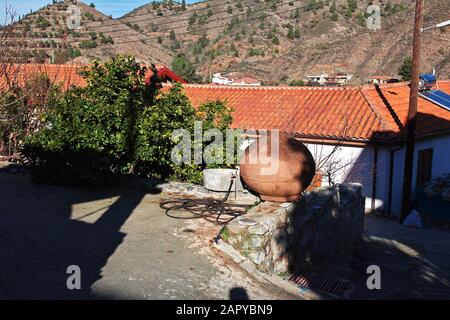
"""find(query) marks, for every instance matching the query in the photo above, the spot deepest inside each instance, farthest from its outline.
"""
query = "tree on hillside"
(333, 7)
(184, 68)
(172, 35)
(183, 5)
(405, 69)
(297, 83)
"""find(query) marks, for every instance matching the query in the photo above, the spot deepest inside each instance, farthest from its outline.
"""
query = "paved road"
(128, 249)
(414, 263)
(123, 243)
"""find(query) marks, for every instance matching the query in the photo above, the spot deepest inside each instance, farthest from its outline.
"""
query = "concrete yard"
(127, 248)
(125, 245)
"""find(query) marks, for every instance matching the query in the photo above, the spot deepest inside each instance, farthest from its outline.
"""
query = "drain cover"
(334, 287)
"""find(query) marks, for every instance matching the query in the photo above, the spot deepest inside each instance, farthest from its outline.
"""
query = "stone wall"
(281, 238)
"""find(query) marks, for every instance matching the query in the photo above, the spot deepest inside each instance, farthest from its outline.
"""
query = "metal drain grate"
(334, 287)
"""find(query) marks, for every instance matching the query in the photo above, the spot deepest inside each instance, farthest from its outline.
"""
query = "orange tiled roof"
(392, 101)
(360, 114)
(65, 74)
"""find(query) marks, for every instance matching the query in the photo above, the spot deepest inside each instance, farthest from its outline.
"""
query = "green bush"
(405, 69)
(115, 125)
(297, 83)
(183, 67)
(88, 44)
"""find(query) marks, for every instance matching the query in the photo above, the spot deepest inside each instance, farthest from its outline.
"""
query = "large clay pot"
(278, 178)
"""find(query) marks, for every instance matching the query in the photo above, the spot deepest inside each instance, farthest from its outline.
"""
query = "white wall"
(440, 165)
(357, 166)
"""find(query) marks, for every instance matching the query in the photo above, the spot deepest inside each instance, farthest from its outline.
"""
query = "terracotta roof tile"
(65, 74)
(350, 113)
(363, 114)
(324, 112)
(392, 102)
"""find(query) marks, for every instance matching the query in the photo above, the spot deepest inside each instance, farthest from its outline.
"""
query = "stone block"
(286, 237)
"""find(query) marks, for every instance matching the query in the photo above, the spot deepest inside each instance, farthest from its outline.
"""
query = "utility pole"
(412, 111)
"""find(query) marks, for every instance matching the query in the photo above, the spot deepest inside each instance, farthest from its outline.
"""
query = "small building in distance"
(338, 79)
(382, 79)
(234, 79)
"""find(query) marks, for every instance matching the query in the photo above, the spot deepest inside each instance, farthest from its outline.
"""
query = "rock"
(235, 227)
(257, 256)
(257, 242)
(230, 251)
(259, 229)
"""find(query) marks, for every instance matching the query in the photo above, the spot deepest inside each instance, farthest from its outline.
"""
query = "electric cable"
(212, 210)
(203, 29)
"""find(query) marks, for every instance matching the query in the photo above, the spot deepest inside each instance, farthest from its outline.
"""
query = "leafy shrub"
(117, 124)
(90, 131)
(405, 69)
(88, 44)
(297, 83)
(20, 107)
(183, 67)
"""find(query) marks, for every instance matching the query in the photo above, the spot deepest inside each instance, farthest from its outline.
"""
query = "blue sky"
(116, 8)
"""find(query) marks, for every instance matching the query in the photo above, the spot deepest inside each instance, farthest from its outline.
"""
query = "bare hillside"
(276, 41)
(56, 34)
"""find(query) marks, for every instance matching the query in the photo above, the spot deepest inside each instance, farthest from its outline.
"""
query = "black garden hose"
(212, 210)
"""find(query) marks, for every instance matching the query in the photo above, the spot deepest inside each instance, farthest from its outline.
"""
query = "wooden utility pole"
(412, 111)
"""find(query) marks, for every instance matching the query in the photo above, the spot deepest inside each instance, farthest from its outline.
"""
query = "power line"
(221, 19)
(214, 27)
(184, 12)
(290, 2)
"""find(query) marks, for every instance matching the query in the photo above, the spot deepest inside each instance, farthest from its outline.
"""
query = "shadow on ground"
(238, 293)
(414, 264)
(39, 240)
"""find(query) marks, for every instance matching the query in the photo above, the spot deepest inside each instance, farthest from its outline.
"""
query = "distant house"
(234, 80)
(217, 78)
(329, 80)
(382, 79)
(246, 81)
(365, 124)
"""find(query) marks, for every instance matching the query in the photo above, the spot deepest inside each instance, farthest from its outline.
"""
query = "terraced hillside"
(58, 34)
(282, 40)
(276, 41)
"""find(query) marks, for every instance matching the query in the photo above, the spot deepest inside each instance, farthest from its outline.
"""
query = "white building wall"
(440, 165)
(356, 165)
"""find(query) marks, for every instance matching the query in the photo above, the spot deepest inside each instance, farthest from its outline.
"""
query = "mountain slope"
(277, 41)
(54, 34)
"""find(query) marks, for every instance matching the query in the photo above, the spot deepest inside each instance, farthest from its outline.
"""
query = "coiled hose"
(216, 211)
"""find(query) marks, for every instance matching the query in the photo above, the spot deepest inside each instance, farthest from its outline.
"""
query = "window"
(425, 160)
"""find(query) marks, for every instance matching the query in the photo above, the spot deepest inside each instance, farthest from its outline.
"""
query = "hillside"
(52, 34)
(276, 41)
(279, 41)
